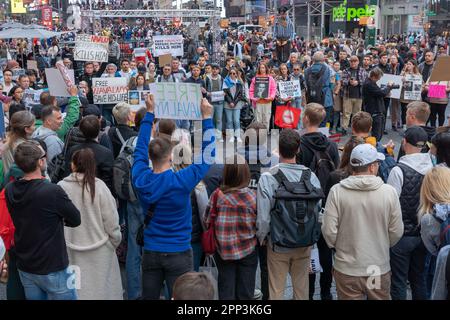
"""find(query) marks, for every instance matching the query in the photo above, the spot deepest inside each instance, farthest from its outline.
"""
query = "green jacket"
(72, 115)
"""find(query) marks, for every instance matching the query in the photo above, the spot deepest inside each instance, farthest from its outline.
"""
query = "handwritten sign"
(178, 101)
(289, 89)
(437, 91)
(109, 90)
(91, 48)
(217, 96)
(172, 44)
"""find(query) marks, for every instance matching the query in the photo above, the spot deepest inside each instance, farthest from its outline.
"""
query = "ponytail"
(84, 162)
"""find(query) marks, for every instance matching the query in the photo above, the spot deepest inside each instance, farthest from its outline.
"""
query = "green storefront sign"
(342, 13)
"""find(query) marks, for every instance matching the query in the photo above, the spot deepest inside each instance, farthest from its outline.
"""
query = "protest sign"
(165, 59)
(289, 89)
(109, 90)
(389, 78)
(217, 96)
(178, 101)
(56, 84)
(17, 73)
(437, 91)
(91, 48)
(412, 87)
(32, 64)
(136, 98)
(172, 44)
(441, 69)
(261, 87)
(32, 97)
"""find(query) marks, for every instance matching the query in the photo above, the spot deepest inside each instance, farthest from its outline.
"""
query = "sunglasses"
(233, 73)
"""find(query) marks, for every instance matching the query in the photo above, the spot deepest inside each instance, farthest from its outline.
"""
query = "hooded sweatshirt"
(316, 141)
(54, 144)
(39, 210)
(430, 227)
(362, 220)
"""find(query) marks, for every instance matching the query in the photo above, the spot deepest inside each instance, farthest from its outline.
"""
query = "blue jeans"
(183, 124)
(134, 252)
(328, 111)
(217, 115)
(408, 263)
(298, 105)
(233, 119)
(52, 286)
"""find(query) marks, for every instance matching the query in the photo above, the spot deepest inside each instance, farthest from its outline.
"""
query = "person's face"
(367, 61)
(55, 121)
(354, 64)
(83, 88)
(67, 63)
(336, 66)
(442, 51)
(293, 58)
(29, 130)
(89, 69)
(284, 70)
(196, 72)
(32, 78)
(110, 70)
(296, 70)
(394, 60)
(413, 49)
(140, 81)
(201, 61)
(233, 74)
(18, 94)
(152, 67)
(342, 55)
(167, 71)
(409, 66)
(132, 65)
(96, 66)
(429, 56)
(231, 63)
(383, 60)
(206, 55)
(175, 65)
(125, 66)
(263, 69)
(215, 71)
(24, 82)
(7, 77)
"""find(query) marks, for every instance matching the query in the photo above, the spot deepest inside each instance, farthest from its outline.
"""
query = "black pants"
(262, 255)
(377, 125)
(403, 112)
(237, 277)
(437, 112)
(158, 267)
(283, 52)
(326, 277)
(387, 102)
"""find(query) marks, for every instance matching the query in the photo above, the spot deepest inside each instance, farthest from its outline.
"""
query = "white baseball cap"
(365, 154)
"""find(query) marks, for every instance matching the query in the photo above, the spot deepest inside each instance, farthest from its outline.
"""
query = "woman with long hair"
(234, 90)
(263, 90)
(232, 209)
(138, 83)
(92, 245)
(409, 69)
(21, 127)
(395, 103)
(16, 103)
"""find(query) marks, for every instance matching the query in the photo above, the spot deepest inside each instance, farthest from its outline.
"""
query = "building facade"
(401, 16)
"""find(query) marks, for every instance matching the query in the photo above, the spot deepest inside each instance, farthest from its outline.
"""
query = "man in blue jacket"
(167, 238)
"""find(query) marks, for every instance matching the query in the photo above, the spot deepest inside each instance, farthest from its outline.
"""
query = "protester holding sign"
(215, 94)
(91, 48)
(438, 93)
(263, 89)
(409, 69)
(233, 88)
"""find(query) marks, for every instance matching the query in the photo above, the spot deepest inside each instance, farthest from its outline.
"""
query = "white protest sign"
(397, 80)
(413, 87)
(289, 89)
(168, 44)
(17, 73)
(109, 90)
(56, 84)
(136, 98)
(91, 48)
(178, 101)
(32, 97)
(217, 96)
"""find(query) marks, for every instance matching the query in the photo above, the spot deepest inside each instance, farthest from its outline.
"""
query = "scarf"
(229, 83)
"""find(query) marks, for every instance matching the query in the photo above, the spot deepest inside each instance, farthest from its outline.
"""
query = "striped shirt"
(281, 32)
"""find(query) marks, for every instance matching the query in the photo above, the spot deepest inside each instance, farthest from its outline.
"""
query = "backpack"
(322, 165)
(255, 174)
(122, 181)
(294, 220)
(314, 86)
(386, 167)
(444, 233)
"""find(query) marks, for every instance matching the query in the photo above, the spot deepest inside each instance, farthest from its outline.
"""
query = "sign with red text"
(91, 48)
(110, 90)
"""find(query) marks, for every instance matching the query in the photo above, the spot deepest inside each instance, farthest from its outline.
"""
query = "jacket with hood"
(39, 210)
(54, 144)
(316, 141)
(171, 226)
(430, 227)
(326, 85)
(421, 163)
(362, 220)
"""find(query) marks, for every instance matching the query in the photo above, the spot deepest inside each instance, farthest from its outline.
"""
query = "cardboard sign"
(412, 87)
(172, 44)
(261, 88)
(289, 89)
(437, 91)
(91, 48)
(165, 59)
(32, 64)
(395, 94)
(441, 69)
(17, 73)
(178, 101)
(56, 84)
(110, 90)
(217, 96)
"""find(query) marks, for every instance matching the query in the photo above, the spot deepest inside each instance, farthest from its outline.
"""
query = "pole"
(293, 15)
(308, 33)
(322, 19)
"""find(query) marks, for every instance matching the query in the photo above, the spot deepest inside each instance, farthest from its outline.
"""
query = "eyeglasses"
(296, 69)
(233, 73)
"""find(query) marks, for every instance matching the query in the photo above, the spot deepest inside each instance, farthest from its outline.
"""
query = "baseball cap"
(92, 109)
(365, 154)
(416, 136)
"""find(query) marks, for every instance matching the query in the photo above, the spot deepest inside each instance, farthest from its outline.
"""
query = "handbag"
(140, 231)
(287, 117)
(209, 236)
(210, 268)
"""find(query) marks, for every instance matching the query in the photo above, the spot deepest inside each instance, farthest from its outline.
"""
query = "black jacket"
(385, 68)
(39, 211)
(373, 96)
(316, 141)
(239, 96)
(126, 132)
(103, 159)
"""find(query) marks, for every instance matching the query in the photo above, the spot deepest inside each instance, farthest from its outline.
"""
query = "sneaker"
(239, 140)
(231, 140)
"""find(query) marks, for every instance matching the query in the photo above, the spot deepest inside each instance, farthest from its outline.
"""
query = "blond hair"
(435, 189)
(121, 112)
(316, 113)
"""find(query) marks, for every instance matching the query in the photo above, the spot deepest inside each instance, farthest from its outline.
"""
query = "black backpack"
(314, 86)
(122, 181)
(294, 219)
(322, 165)
(255, 174)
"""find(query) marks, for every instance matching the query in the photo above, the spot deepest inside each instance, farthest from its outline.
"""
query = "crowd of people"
(87, 188)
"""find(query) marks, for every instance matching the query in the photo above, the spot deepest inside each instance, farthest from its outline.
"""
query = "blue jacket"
(171, 225)
(315, 68)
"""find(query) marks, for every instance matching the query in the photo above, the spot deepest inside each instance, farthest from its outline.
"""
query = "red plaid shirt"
(235, 224)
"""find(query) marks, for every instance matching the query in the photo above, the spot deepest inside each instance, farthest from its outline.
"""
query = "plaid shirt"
(235, 224)
(346, 75)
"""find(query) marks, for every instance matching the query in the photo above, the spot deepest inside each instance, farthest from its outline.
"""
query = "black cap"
(416, 136)
(92, 109)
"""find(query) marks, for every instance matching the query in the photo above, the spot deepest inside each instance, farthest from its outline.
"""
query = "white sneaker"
(231, 140)
(239, 140)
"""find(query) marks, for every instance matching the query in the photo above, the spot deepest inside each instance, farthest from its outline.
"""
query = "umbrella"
(12, 30)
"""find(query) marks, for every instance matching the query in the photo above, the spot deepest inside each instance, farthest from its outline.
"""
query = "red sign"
(47, 17)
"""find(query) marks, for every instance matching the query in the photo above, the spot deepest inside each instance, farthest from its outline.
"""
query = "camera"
(394, 86)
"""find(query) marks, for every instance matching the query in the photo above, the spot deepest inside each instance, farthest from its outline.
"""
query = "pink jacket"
(272, 91)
